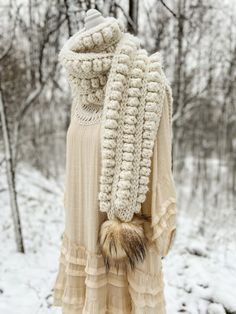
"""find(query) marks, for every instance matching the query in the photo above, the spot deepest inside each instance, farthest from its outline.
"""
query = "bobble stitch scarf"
(108, 70)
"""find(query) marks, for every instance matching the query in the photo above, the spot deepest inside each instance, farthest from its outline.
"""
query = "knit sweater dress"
(82, 284)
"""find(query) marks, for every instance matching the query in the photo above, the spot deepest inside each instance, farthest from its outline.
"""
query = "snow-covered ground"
(200, 270)
(200, 277)
(26, 279)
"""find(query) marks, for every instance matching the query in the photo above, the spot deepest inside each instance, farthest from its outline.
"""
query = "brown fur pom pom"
(123, 242)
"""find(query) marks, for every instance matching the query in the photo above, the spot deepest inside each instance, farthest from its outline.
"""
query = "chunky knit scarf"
(115, 80)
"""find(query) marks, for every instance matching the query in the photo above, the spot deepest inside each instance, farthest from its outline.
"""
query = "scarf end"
(123, 243)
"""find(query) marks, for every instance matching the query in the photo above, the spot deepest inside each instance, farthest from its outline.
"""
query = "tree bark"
(11, 178)
(133, 14)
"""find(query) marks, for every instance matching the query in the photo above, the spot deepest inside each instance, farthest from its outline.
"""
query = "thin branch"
(126, 16)
(173, 13)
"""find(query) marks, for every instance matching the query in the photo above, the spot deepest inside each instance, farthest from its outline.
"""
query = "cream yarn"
(111, 75)
(87, 58)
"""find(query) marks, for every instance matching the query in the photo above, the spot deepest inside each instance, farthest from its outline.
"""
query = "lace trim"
(84, 117)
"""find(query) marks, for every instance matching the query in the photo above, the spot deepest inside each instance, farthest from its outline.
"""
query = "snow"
(26, 280)
(199, 278)
(199, 271)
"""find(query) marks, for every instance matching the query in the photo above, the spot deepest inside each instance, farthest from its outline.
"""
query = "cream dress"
(82, 284)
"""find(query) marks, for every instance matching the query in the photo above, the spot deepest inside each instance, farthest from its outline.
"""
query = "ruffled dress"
(82, 284)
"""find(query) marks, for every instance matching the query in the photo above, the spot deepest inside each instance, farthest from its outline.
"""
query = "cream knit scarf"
(111, 76)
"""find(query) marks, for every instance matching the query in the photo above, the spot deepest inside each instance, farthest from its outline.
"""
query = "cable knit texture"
(110, 72)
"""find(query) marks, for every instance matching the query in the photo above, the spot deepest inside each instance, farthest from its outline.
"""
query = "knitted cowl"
(113, 79)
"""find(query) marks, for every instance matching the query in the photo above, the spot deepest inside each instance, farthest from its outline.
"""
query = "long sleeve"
(160, 201)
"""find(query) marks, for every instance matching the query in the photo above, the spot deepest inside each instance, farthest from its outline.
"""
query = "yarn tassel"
(123, 243)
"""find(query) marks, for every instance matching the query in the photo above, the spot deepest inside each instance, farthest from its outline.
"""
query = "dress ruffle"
(83, 286)
(164, 226)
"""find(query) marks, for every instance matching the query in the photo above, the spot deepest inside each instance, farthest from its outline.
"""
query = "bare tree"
(11, 176)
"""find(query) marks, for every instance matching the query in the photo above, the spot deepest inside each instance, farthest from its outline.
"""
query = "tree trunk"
(133, 14)
(11, 178)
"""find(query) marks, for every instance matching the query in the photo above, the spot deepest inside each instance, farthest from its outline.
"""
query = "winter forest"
(197, 40)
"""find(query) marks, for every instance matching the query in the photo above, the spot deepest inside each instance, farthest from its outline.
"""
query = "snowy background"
(198, 41)
(200, 270)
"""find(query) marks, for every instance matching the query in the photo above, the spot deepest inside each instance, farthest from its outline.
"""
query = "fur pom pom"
(123, 243)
